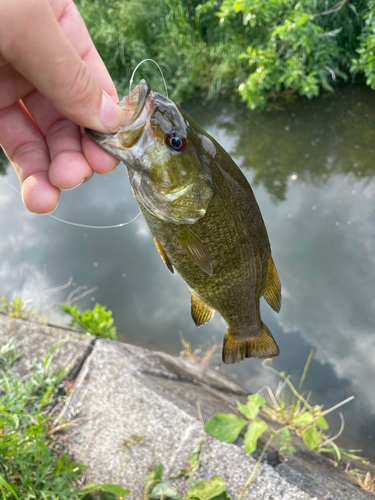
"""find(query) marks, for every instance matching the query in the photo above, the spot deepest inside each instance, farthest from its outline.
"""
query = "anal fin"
(272, 293)
(194, 248)
(163, 255)
(200, 311)
(261, 345)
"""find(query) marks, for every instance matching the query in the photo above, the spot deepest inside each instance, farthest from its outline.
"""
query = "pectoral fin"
(194, 247)
(272, 293)
(200, 311)
(163, 255)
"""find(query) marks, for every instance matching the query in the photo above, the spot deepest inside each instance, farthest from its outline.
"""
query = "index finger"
(32, 40)
(75, 29)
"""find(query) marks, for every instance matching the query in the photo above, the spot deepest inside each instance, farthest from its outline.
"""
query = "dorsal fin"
(163, 255)
(272, 293)
(200, 311)
(194, 247)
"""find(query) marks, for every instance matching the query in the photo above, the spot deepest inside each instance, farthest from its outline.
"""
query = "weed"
(97, 321)
(209, 489)
(292, 411)
(16, 308)
(364, 480)
(201, 355)
(30, 468)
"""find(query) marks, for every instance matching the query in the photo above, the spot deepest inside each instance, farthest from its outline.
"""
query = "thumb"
(32, 40)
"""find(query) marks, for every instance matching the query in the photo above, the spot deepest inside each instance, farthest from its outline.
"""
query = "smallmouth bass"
(203, 216)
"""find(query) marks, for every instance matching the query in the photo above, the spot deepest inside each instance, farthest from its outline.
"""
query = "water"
(312, 169)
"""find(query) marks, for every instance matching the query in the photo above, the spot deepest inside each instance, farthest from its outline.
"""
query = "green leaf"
(322, 422)
(165, 491)
(337, 450)
(225, 426)
(285, 434)
(8, 487)
(16, 420)
(153, 478)
(304, 419)
(194, 459)
(251, 408)
(180, 473)
(311, 438)
(116, 489)
(208, 489)
(254, 431)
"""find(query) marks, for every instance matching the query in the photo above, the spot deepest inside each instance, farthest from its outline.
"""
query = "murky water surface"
(313, 172)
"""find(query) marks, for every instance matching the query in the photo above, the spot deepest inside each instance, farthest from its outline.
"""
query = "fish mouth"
(137, 107)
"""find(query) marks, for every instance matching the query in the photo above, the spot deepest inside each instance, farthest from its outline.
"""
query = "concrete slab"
(118, 405)
(35, 340)
(125, 390)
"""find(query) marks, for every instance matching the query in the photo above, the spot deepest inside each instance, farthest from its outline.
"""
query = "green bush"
(97, 321)
(265, 49)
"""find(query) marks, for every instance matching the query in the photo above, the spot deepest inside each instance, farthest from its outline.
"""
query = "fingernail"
(69, 189)
(111, 115)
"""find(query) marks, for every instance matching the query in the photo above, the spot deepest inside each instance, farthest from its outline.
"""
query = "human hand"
(48, 60)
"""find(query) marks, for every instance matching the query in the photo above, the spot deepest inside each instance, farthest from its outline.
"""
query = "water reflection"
(314, 140)
(322, 231)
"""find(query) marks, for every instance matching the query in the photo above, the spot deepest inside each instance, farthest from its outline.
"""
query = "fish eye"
(176, 141)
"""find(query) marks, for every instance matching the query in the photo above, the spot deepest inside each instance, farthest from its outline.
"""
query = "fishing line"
(144, 60)
(76, 223)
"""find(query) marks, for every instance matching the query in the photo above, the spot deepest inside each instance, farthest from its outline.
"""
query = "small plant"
(97, 321)
(307, 422)
(201, 355)
(16, 308)
(209, 489)
(292, 411)
(364, 480)
(8, 355)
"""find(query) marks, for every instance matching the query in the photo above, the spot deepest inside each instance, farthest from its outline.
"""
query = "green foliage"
(115, 489)
(97, 321)
(366, 61)
(15, 308)
(293, 412)
(9, 353)
(291, 409)
(296, 50)
(210, 489)
(196, 55)
(226, 426)
(291, 46)
(194, 461)
(29, 468)
(253, 433)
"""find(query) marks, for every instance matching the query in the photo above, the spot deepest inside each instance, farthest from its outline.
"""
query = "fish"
(203, 215)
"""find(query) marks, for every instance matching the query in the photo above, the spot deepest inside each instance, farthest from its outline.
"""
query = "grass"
(30, 466)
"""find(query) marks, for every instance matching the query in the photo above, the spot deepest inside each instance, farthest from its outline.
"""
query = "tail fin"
(261, 345)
